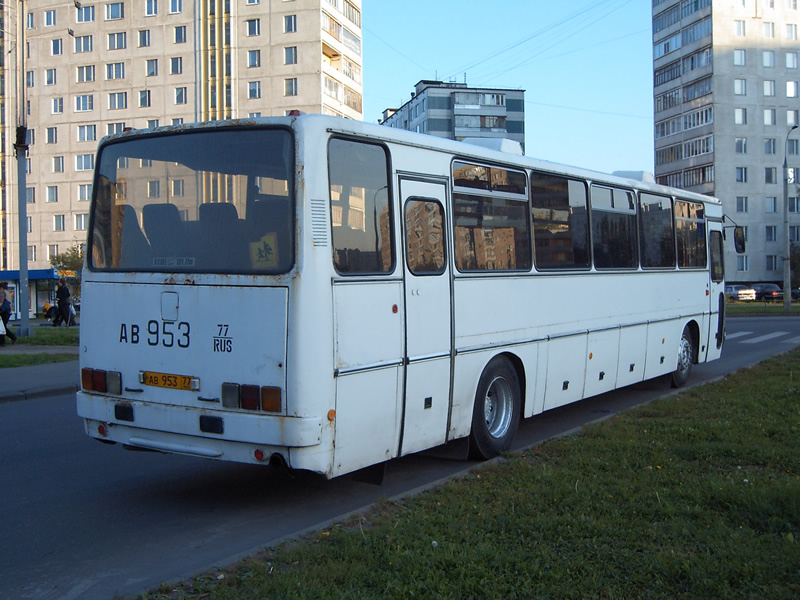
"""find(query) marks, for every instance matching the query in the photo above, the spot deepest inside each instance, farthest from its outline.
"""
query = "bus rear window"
(211, 201)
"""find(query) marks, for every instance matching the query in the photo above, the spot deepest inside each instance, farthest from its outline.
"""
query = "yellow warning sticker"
(264, 252)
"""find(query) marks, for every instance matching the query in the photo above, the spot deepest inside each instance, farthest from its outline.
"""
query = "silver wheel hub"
(498, 407)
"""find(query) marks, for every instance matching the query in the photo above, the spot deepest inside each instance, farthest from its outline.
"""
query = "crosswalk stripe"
(733, 336)
(764, 338)
(794, 340)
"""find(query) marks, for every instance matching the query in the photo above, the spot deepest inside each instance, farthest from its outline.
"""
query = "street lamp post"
(787, 261)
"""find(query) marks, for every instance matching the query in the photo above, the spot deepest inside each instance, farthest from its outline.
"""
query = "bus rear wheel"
(496, 413)
(685, 359)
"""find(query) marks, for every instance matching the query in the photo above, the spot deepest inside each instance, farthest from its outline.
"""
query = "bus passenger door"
(426, 402)
(716, 329)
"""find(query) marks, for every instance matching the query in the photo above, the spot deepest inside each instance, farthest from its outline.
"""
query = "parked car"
(796, 295)
(738, 293)
(768, 292)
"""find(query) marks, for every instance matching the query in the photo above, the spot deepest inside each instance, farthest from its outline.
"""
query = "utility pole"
(787, 261)
(21, 146)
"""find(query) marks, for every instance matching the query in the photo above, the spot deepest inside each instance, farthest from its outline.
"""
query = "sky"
(586, 67)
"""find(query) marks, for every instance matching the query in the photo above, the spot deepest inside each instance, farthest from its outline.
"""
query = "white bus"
(328, 295)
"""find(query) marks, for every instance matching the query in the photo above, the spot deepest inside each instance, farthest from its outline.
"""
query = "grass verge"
(51, 336)
(28, 360)
(694, 496)
(760, 309)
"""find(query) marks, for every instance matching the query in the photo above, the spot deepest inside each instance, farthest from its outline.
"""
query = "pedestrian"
(5, 314)
(62, 299)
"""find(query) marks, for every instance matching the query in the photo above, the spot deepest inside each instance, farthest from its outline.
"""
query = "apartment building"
(96, 68)
(726, 89)
(457, 111)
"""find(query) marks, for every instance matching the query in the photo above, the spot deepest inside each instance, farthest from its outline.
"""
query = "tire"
(496, 413)
(685, 359)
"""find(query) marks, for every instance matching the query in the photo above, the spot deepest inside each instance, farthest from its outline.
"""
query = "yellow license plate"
(167, 380)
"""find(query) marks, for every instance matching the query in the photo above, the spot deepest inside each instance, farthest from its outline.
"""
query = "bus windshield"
(209, 201)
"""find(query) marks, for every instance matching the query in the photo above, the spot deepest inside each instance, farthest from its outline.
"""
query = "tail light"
(252, 397)
(104, 382)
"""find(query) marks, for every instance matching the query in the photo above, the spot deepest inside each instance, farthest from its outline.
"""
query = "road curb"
(38, 393)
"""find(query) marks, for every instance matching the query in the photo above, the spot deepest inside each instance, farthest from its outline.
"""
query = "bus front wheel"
(496, 414)
(685, 359)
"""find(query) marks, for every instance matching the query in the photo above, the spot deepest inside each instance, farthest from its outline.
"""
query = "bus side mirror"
(738, 239)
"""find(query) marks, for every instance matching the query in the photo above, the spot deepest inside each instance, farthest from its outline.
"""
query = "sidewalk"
(24, 383)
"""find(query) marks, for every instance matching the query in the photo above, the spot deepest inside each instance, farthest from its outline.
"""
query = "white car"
(740, 293)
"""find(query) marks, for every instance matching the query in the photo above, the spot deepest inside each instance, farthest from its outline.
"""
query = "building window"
(58, 222)
(180, 34)
(175, 6)
(769, 145)
(49, 18)
(739, 28)
(769, 87)
(84, 162)
(52, 193)
(115, 11)
(117, 41)
(290, 24)
(739, 58)
(791, 60)
(151, 69)
(741, 204)
(84, 103)
(153, 188)
(31, 253)
(180, 95)
(58, 164)
(29, 21)
(741, 145)
(290, 55)
(768, 58)
(740, 116)
(152, 123)
(254, 58)
(740, 87)
(254, 89)
(772, 262)
(144, 38)
(791, 89)
(84, 192)
(52, 135)
(85, 73)
(30, 79)
(50, 77)
(85, 14)
(176, 65)
(769, 30)
(56, 47)
(117, 100)
(58, 106)
(150, 8)
(791, 118)
(87, 133)
(253, 27)
(770, 175)
(115, 70)
(771, 204)
(741, 174)
(177, 187)
(144, 98)
(114, 128)
(791, 31)
(83, 43)
(81, 221)
(30, 196)
(52, 250)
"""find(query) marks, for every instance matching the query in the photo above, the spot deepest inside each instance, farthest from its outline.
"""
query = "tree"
(68, 265)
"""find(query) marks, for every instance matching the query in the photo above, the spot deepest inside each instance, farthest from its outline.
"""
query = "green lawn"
(694, 496)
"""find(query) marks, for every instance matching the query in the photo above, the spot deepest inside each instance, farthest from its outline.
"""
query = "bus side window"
(560, 222)
(361, 216)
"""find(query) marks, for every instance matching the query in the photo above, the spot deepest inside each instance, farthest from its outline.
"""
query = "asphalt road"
(82, 520)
